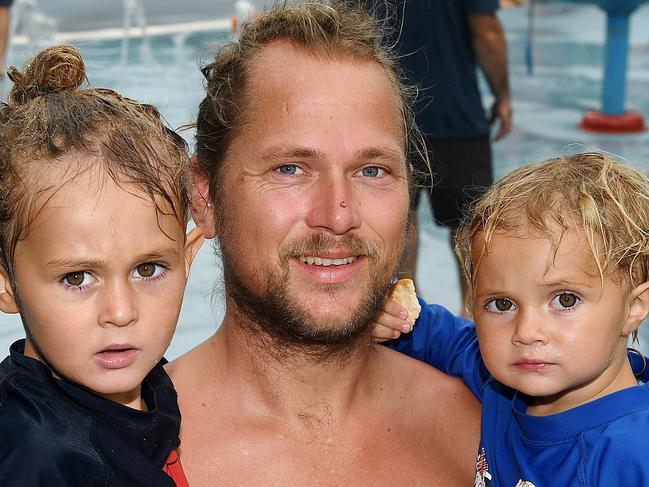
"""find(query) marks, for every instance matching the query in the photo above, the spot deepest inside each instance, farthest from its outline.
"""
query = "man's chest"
(261, 455)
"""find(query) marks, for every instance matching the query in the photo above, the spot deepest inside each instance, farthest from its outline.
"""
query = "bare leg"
(463, 285)
(408, 266)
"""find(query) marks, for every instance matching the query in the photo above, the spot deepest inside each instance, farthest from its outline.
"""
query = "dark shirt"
(57, 434)
(435, 45)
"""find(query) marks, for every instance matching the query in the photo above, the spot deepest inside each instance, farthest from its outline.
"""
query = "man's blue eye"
(288, 169)
(371, 172)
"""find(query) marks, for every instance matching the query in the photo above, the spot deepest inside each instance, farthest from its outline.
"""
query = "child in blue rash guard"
(556, 255)
(94, 257)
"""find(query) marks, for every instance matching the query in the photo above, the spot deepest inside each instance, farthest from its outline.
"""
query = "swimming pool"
(547, 108)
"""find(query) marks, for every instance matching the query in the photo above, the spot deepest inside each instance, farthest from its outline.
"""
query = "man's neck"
(293, 380)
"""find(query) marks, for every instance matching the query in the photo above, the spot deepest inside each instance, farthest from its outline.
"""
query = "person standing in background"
(442, 43)
(5, 14)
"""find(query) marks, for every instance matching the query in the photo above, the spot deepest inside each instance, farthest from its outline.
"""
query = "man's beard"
(274, 315)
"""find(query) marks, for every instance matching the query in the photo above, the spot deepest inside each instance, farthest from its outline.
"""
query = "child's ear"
(193, 242)
(7, 300)
(638, 308)
(202, 210)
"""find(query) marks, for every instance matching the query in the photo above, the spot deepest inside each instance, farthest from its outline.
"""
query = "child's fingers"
(390, 322)
(396, 321)
(393, 308)
(382, 333)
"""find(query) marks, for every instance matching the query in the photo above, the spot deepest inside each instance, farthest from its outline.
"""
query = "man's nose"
(117, 304)
(334, 207)
(528, 328)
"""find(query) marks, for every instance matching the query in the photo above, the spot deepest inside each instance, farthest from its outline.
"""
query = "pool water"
(547, 108)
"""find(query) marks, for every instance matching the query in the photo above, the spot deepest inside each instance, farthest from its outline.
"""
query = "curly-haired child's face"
(100, 278)
(549, 326)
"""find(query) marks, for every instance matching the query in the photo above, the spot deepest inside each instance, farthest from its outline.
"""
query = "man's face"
(315, 196)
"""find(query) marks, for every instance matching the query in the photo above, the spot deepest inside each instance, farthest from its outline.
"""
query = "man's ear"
(202, 210)
(638, 308)
(193, 242)
(7, 300)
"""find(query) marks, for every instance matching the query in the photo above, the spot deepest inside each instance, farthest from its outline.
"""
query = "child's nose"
(118, 306)
(528, 328)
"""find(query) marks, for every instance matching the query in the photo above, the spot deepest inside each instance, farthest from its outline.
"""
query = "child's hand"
(391, 321)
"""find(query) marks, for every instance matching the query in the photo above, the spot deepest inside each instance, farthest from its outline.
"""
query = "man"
(303, 176)
(442, 43)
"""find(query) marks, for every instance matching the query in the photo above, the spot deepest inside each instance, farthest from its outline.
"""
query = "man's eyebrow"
(370, 153)
(283, 153)
(307, 153)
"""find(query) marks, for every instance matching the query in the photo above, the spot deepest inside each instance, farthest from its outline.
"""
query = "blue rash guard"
(600, 443)
(55, 433)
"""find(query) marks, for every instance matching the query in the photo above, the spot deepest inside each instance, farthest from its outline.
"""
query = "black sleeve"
(39, 447)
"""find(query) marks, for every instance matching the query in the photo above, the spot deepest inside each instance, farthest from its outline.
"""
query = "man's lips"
(330, 269)
(116, 356)
(326, 261)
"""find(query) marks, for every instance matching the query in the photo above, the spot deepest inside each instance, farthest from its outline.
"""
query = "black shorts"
(461, 172)
(6, 3)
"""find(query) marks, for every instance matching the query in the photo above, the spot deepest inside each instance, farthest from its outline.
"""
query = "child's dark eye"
(500, 305)
(565, 300)
(76, 279)
(148, 270)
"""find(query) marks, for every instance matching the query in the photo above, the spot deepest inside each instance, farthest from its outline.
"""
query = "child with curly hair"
(556, 255)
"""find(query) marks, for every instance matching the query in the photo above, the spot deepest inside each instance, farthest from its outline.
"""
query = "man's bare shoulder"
(427, 390)
(412, 373)
(436, 409)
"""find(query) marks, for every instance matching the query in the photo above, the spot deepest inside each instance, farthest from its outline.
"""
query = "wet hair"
(49, 121)
(590, 192)
(330, 30)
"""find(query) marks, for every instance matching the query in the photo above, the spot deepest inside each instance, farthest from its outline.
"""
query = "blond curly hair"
(591, 192)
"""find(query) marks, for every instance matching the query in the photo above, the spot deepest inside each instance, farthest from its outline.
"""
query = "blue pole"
(617, 49)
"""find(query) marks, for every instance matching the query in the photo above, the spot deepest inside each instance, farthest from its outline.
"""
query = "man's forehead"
(291, 81)
(286, 63)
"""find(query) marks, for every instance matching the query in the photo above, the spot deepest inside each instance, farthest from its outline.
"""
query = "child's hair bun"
(53, 70)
